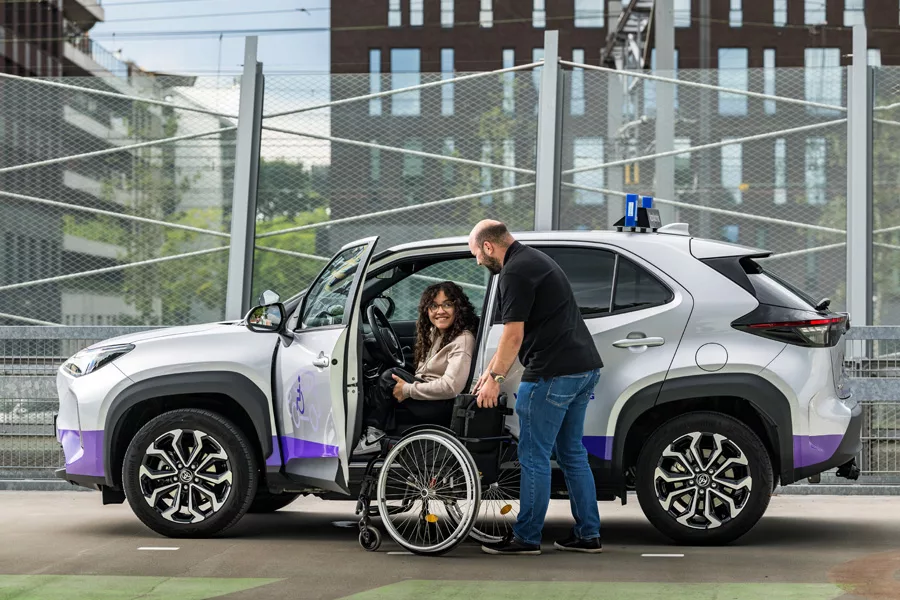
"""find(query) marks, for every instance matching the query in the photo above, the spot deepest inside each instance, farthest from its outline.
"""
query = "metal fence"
(30, 357)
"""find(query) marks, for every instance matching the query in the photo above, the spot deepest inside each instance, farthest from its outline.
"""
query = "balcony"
(95, 188)
(86, 13)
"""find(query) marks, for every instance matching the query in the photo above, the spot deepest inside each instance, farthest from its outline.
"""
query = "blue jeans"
(551, 417)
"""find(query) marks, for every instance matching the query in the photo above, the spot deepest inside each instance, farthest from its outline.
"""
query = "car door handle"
(321, 361)
(636, 342)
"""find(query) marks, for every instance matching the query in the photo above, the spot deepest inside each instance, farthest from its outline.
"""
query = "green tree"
(286, 190)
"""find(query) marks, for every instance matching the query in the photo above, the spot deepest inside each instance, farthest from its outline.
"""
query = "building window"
(509, 177)
(413, 167)
(405, 73)
(733, 170)
(588, 152)
(815, 170)
(486, 16)
(854, 13)
(736, 14)
(509, 80)
(814, 12)
(780, 171)
(374, 81)
(589, 13)
(539, 15)
(447, 88)
(874, 57)
(650, 85)
(731, 233)
(449, 149)
(780, 19)
(416, 12)
(447, 13)
(394, 19)
(733, 74)
(487, 173)
(769, 79)
(682, 13)
(823, 78)
(576, 106)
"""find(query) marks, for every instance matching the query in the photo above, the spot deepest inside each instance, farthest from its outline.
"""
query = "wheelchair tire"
(432, 474)
(499, 499)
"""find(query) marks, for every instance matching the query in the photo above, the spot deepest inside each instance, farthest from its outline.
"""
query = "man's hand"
(490, 391)
(484, 377)
(398, 389)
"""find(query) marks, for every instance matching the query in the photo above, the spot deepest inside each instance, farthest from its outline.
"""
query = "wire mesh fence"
(763, 172)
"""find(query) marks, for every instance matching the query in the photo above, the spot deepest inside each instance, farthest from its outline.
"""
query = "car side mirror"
(265, 319)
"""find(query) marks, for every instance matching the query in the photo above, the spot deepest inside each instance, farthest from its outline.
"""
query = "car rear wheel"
(189, 473)
(704, 478)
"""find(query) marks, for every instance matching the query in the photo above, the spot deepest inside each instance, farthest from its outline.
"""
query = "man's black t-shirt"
(534, 289)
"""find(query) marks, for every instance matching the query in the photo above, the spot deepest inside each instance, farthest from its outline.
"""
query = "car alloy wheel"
(185, 475)
(703, 480)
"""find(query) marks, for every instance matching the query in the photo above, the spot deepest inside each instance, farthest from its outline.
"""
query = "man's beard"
(493, 265)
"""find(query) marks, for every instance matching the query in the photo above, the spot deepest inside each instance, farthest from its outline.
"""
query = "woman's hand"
(398, 389)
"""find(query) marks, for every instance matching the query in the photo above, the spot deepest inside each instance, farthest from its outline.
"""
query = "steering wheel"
(387, 340)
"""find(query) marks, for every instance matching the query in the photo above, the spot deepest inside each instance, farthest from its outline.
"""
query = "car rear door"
(636, 316)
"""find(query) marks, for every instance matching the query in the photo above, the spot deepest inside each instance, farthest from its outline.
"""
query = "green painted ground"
(521, 590)
(95, 587)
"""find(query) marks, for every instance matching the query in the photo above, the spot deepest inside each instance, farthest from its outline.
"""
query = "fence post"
(664, 32)
(859, 183)
(550, 105)
(246, 171)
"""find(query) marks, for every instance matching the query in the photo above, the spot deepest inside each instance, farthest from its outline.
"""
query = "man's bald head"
(488, 242)
(491, 231)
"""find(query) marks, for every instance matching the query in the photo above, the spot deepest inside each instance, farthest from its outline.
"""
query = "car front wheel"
(704, 478)
(189, 473)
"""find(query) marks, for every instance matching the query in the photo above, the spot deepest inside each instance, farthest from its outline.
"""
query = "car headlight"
(89, 360)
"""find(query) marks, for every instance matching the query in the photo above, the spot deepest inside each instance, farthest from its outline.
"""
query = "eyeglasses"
(446, 306)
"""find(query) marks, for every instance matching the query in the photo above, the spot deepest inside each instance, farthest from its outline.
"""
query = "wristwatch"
(498, 378)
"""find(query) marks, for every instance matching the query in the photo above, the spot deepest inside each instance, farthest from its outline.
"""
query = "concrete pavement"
(67, 545)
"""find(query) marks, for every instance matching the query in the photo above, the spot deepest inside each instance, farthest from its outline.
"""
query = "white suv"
(719, 381)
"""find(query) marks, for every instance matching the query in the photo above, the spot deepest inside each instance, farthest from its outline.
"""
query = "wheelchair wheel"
(499, 498)
(428, 492)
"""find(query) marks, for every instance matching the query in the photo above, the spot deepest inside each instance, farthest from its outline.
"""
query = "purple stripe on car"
(813, 449)
(84, 452)
(297, 448)
(600, 446)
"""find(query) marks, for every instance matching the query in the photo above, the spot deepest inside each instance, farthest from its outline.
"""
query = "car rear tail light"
(817, 333)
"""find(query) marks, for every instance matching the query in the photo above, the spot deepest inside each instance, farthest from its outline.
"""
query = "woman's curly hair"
(464, 318)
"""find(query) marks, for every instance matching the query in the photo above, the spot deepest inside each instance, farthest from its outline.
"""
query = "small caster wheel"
(370, 539)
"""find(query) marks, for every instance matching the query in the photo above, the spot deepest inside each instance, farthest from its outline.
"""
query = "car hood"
(141, 336)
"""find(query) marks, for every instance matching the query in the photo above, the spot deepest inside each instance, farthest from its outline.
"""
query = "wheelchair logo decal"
(296, 404)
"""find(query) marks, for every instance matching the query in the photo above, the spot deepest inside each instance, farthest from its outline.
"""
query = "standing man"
(544, 328)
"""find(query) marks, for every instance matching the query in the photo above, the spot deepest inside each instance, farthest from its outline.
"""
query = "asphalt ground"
(66, 545)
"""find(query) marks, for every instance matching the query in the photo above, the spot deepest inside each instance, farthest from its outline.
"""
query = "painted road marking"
(663, 555)
(158, 548)
(400, 553)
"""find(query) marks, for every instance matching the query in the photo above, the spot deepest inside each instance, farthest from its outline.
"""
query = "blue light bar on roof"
(646, 201)
(631, 206)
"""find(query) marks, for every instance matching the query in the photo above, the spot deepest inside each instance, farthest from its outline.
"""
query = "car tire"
(710, 519)
(218, 484)
(267, 502)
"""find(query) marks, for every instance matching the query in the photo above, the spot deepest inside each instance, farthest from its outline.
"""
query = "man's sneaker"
(511, 546)
(370, 441)
(574, 543)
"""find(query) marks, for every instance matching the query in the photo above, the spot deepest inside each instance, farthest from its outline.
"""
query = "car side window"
(590, 273)
(636, 288)
(465, 272)
(326, 301)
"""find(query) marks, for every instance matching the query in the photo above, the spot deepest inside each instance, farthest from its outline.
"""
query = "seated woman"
(445, 344)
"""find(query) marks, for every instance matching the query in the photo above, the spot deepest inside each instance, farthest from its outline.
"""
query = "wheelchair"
(433, 487)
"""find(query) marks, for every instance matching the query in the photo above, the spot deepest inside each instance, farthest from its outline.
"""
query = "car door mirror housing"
(266, 318)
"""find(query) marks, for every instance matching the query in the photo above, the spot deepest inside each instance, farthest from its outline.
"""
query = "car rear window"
(772, 289)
